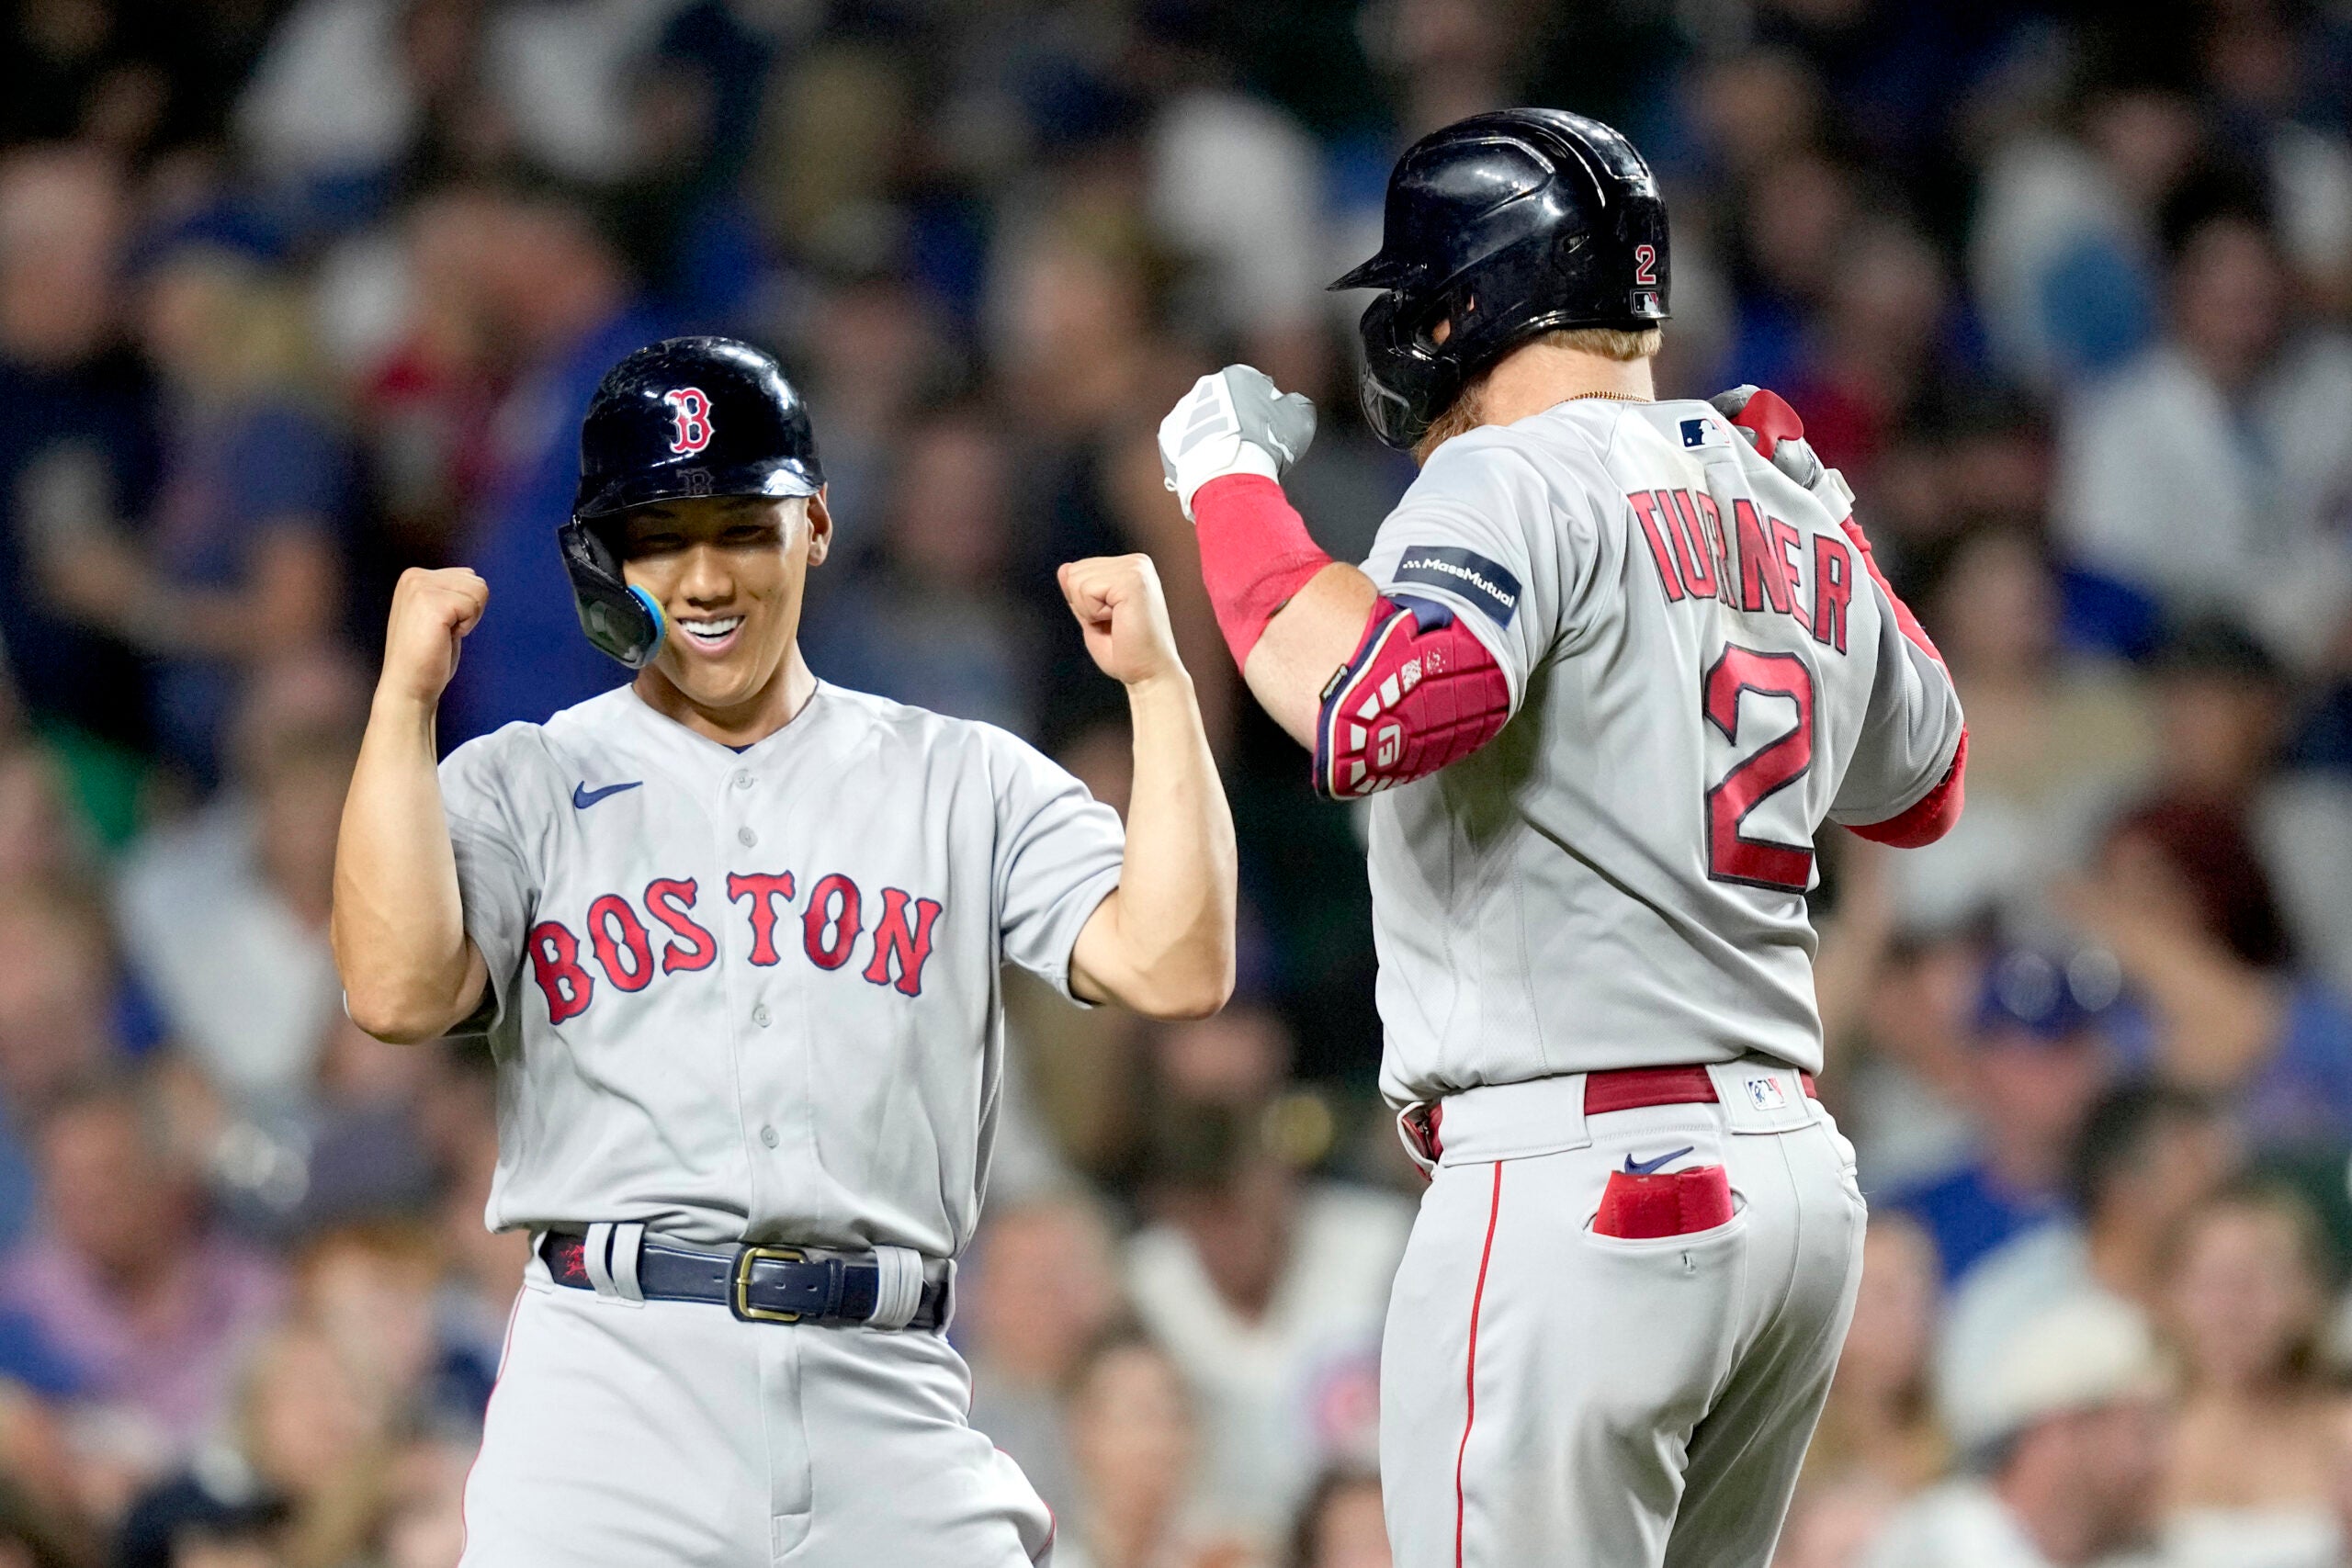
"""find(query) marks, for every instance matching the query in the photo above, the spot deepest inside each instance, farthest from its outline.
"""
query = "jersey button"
(746, 837)
(767, 1137)
(742, 780)
(760, 1015)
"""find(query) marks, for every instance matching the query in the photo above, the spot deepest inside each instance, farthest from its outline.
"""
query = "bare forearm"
(1305, 643)
(409, 972)
(1170, 924)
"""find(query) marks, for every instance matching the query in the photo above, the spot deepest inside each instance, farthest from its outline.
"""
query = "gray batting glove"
(1236, 421)
(1778, 435)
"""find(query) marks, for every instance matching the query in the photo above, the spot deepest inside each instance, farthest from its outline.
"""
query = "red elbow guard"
(1420, 692)
(1932, 815)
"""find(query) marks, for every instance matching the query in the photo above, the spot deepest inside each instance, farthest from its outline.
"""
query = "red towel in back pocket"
(1680, 1202)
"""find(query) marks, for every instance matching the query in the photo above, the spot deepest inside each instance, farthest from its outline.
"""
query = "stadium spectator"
(124, 1279)
(77, 451)
(58, 1006)
(2062, 249)
(2147, 1157)
(1136, 1448)
(2225, 703)
(2251, 1468)
(2179, 895)
(1266, 1288)
(2038, 1060)
(1879, 1422)
(2207, 471)
(931, 624)
(250, 989)
(561, 308)
(1043, 1288)
(2056, 740)
(1339, 1525)
(241, 564)
(2071, 1430)
(423, 1523)
(373, 1290)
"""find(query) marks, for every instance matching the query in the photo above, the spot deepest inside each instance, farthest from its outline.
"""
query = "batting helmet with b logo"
(1501, 226)
(685, 418)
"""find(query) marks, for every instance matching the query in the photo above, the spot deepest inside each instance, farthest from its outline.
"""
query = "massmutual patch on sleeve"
(1468, 573)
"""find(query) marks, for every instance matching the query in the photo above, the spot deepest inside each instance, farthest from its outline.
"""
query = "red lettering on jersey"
(689, 419)
(1711, 518)
(832, 905)
(555, 965)
(1691, 544)
(1759, 569)
(605, 914)
(1786, 543)
(667, 899)
(892, 939)
(763, 888)
(1645, 506)
(1832, 587)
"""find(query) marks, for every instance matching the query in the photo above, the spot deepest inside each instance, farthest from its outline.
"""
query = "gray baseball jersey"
(1701, 670)
(754, 996)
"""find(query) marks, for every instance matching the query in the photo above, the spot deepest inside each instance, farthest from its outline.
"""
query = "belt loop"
(592, 1258)
(628, 1240)
(898, 1288)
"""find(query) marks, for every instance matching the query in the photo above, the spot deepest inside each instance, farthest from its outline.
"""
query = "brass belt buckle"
(743, 1264)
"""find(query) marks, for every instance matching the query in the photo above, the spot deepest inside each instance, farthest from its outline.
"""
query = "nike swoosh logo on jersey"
(583, 798)
(1650, 1166)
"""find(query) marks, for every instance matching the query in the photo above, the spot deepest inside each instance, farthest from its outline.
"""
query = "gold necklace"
(1612, 397)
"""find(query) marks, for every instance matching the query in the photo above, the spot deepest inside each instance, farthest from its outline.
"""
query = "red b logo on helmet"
(690, 413)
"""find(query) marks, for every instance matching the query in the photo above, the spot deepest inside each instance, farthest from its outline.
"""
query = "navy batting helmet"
(1504, 225)
(689, 416)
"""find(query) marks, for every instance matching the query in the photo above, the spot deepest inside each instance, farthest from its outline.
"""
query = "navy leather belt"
(759, 1284)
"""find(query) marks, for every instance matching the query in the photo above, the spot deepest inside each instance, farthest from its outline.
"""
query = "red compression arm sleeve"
(1255, 555)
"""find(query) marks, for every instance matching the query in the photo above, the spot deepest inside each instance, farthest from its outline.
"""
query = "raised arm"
(409, 971)
(1381, 691)
(1776, 433)
(1162, 941)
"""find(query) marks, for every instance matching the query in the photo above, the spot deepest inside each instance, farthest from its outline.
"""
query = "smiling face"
(728, 572)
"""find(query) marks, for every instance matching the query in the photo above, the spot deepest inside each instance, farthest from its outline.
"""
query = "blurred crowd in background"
(297, 293)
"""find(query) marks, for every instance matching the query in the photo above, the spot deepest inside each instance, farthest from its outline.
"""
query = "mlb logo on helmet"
(1766, 1094)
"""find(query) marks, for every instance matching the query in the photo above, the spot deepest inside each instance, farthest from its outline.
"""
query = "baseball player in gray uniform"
(1611, 665)
(734, 936)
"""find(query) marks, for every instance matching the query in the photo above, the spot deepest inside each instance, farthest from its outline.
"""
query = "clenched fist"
(1123, 615)
(1236, 421)
(432, 611)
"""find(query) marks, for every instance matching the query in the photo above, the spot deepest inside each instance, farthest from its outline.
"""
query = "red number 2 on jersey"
(1732, 856)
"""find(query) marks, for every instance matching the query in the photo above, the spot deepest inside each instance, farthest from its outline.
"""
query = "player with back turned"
(734, 935)
(1611, 665)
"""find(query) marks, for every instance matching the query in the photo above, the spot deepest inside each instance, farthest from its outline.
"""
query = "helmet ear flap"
(624, 621)
(1409, 380)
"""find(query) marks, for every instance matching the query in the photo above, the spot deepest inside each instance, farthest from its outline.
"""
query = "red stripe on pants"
(1470, 1378)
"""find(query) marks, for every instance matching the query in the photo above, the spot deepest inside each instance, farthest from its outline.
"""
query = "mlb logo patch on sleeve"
(1469, 574)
